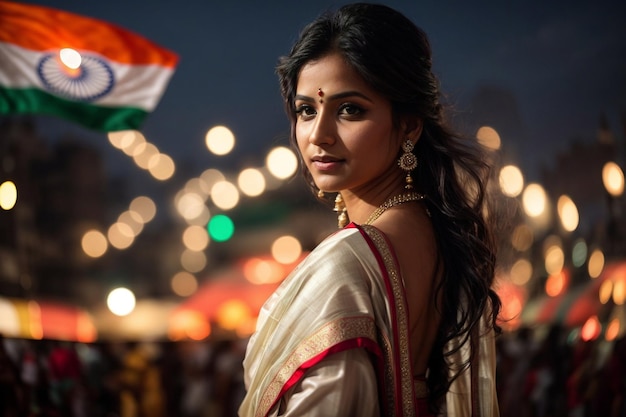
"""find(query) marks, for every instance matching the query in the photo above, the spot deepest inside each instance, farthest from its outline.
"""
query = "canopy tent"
(575, 306)
(230, 298)
(45, 319)
(147, 321)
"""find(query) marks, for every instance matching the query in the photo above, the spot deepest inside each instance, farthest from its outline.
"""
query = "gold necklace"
(394, 201)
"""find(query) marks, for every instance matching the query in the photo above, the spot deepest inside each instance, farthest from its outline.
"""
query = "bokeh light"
(120, 235)
(143, 154)
(612, 330)
(521, 272)
(596, 263)
(133, 220)
(221, 228)
(193, 261)
(184, 284)
(195, 238)
(281, 162)
(613, 179)
(556, 284)
(70, 58)
(488, 137)
(161, 167)
(619, 292)
(121, 301)
(197, 186)
(119, 139)
(286, 249)
(554, 259)
(605, 291)
(144, 207)
(511, 181)
(262, 271)
(579, 252)
(94, 243)
(220, 140)
(568, 213)
(190, 205)
(591, 329)
(202, 219)
(224, 195)
(513, 298)
(131, 141)
(534, 200)
(209, 178)
(8, 195)
(522, 238)
(251, 182)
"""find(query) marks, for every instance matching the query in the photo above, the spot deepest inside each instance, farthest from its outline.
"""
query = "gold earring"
(340, 208)
(408, 162)
(320, 194)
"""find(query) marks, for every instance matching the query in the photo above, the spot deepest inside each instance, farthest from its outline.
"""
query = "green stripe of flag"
(34, 100)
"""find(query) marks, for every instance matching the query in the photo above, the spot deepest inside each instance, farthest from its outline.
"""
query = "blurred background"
(133, 264)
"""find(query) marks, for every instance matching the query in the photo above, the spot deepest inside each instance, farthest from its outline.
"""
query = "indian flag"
(86, 70)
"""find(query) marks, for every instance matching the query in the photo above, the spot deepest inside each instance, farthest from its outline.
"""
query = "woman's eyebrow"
(337, 96)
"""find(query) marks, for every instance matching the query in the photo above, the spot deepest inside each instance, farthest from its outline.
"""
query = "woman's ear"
(412, 128)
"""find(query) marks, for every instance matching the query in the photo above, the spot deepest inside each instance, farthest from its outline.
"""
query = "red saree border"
(336, 336)
(404, 402)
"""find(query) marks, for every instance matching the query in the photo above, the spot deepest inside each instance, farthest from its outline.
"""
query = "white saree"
(333, 340)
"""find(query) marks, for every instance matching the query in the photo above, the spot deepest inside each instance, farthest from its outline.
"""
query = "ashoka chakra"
(91, 81)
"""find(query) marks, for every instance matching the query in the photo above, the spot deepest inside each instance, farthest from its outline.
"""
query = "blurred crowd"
(113, 379)
(543, 372)
(552, 372)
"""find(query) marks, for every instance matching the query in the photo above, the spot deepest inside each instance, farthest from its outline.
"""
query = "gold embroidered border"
(389, 369)
(397, 287)
(327, 336)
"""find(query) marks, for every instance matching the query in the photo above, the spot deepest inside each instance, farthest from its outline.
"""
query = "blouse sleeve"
(343, 384)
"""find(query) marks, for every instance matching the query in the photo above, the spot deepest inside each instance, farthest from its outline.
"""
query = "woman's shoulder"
(347, 249)
(342, 239)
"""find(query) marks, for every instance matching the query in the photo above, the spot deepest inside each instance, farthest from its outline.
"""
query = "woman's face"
(344, 129)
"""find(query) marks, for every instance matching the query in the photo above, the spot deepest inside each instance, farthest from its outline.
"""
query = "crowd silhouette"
(542, 372)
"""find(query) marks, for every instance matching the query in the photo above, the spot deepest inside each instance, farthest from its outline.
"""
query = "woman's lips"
(325, 163)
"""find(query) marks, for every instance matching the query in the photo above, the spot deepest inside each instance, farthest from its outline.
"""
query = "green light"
(221, 228)
(579, 253)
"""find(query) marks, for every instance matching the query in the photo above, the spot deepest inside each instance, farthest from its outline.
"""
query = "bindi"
(320, 94)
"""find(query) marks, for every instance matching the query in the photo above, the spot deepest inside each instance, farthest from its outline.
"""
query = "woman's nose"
(323, 131)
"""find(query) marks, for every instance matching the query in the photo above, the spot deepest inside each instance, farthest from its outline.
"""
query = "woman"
(393, 314)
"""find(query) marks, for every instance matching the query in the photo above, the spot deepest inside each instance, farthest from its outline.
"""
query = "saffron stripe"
(42, 28)
(106, 119)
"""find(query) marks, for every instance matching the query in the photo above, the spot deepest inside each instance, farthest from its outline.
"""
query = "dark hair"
(393, 56)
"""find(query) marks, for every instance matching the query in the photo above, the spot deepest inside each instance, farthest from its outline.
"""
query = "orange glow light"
(233, 314)
(512, 303)
(557, 283)
(260, 271)
(591, 329)
(85, 330)
(34, 315)
(188, 323)
(612, 330)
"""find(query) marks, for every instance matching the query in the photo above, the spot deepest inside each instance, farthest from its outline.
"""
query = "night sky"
(561, 64)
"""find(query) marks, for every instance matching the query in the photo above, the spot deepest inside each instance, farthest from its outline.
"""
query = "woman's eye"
(350, 110)
(305, 111)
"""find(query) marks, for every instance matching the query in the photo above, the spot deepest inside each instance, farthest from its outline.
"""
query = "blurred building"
(61, 191)
(65, 189)
(577, 173)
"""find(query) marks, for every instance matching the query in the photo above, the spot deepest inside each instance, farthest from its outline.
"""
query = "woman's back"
(410, 233)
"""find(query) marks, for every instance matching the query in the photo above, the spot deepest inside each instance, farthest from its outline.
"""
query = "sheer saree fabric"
(333, 338)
